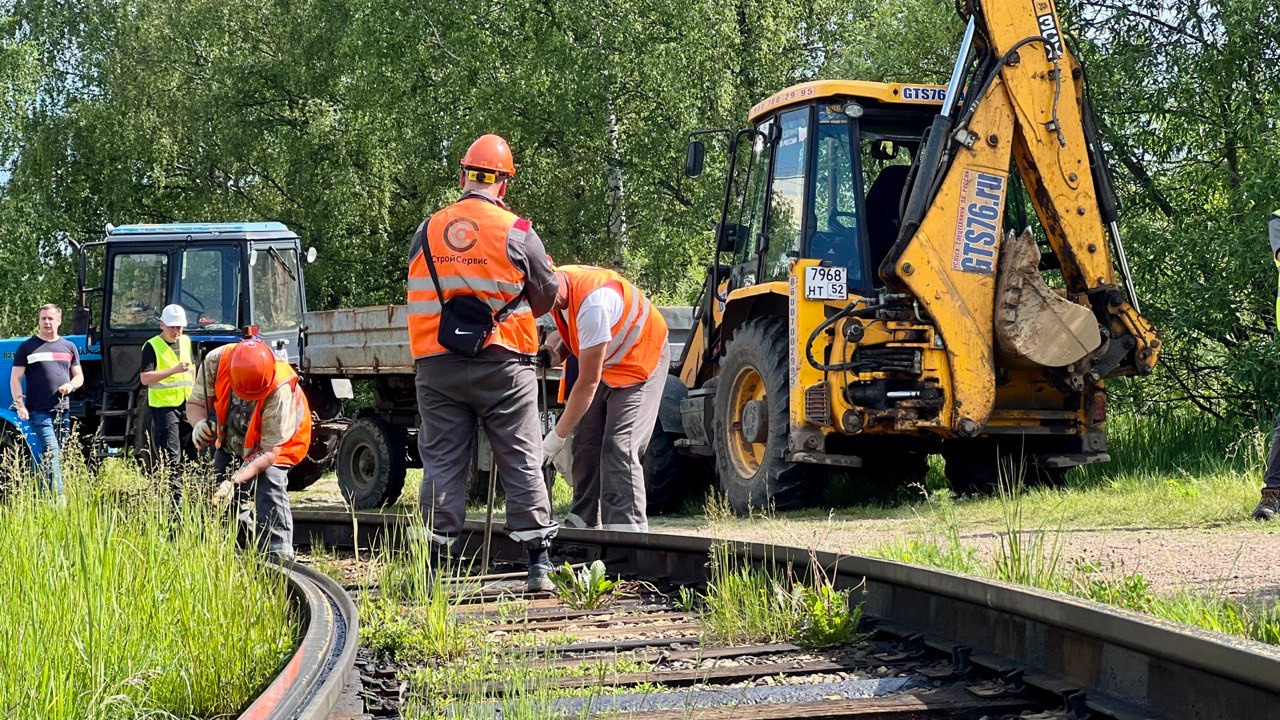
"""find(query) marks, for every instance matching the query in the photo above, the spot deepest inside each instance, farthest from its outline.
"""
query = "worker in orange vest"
(620, 341)
(260, 420)
(478, 275)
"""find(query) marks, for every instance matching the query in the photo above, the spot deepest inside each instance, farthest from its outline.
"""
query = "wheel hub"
(755, 421)
(746, 421)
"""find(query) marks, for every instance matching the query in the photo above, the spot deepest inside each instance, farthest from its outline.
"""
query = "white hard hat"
(174, 315)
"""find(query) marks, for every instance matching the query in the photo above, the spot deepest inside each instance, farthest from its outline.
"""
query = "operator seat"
(883, 218)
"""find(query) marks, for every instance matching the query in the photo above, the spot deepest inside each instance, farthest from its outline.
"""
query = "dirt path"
(1239, 561)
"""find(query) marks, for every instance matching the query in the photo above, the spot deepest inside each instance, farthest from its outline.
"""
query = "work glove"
(552, 444)
(204, 433)
(223, 494)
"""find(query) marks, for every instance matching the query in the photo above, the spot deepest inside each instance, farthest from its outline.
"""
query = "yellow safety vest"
(175, 389)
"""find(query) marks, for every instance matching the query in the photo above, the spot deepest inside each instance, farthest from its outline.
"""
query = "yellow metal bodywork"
(904, 93)
(1030, 118)
(960, 301)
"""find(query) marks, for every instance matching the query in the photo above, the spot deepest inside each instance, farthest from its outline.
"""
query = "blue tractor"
(232, 278)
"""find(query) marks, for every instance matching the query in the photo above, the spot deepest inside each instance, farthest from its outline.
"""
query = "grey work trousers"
(608, 444)
(272, 532)
(502, 392)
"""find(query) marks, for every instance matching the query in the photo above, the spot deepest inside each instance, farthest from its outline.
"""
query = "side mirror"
(253, 258)
(884, 150)
(81, 320)
(693, 158)
(727, 237)
(311, 255)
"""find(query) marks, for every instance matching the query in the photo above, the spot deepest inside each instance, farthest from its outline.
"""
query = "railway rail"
(940, 645)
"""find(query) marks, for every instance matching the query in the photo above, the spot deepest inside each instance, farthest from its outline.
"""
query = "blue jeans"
(49, 428)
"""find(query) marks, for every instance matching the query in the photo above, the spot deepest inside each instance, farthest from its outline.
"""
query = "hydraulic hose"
(850, 310)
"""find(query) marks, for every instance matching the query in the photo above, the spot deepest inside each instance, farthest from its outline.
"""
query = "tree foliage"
(345, 119)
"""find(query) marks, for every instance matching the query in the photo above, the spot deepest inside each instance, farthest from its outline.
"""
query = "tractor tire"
(895, 471)
(15, 460)
(750, 460)
(371, 464)
(670, 478)
(972, 465)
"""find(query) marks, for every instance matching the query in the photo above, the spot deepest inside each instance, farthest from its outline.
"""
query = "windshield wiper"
(280, 259)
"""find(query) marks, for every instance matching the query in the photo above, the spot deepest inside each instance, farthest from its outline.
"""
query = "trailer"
(241, 279)
(364, 354)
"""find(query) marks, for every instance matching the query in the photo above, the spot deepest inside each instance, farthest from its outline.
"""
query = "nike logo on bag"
(456, 331)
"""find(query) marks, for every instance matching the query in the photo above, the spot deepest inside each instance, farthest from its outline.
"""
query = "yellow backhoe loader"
(879, 293)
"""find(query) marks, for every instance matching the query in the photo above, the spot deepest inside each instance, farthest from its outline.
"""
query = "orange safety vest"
(639, 337)
(295, 448)
(468, 242)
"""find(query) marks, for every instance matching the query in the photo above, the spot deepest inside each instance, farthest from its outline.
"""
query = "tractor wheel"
(371, 464)
(972, 465)
(752, 423)
(670, 478)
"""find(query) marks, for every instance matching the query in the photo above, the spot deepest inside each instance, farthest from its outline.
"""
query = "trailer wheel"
(304, 474)
(309, 470)
(371, 464)
(752, 423)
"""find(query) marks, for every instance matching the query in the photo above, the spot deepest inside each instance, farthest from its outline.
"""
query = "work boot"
(540, 569)
(1269, 506)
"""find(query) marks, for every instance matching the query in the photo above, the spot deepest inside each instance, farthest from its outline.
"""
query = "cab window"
(277, 299)
(755, 157)
(137, 290)
(209, 288)
(786, 193)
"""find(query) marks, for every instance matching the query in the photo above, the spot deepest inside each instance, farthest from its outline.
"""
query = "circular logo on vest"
(461, 234)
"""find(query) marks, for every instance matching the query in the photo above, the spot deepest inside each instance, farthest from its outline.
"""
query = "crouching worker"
(620, 342)
(260, 422)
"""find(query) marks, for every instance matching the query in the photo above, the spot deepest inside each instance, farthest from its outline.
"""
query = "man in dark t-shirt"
(50, 365)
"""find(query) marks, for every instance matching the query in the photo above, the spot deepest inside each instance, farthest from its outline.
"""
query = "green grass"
(112, 611)
(1032, 555)
(745, 604)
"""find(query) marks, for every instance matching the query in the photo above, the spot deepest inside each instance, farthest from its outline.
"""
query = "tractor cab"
(230, 278)
(821, 174)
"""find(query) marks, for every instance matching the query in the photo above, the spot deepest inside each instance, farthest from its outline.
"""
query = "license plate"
(826, 283)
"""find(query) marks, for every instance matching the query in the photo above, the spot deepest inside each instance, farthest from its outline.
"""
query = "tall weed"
(115, 608)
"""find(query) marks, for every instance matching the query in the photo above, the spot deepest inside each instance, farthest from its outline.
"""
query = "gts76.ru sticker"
(978, 223)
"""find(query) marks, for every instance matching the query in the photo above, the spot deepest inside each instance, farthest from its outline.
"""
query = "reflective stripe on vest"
(175, 389)
(295, 448)
(468, 241)
(639, 337)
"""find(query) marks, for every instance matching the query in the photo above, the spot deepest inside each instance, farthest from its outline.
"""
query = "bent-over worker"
(620, 341)
(167, 374)
(261, 420)
(474, 354)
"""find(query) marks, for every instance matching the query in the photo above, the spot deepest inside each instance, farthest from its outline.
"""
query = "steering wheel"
(834, 219)
(195, 305)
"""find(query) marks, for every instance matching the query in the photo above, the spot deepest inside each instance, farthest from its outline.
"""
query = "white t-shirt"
(600, 310)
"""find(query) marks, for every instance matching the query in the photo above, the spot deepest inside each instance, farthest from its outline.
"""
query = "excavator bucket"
(1035, 325)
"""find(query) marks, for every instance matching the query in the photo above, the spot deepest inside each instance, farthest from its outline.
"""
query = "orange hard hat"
(490, 152)
(253, 370)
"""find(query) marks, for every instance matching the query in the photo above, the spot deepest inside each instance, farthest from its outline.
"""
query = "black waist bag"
(466, 322)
